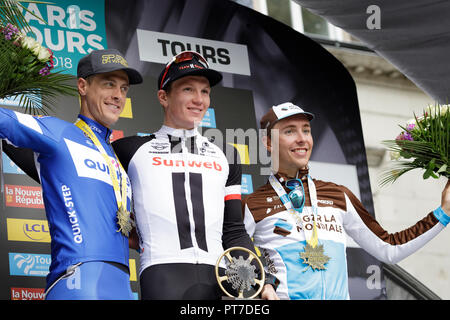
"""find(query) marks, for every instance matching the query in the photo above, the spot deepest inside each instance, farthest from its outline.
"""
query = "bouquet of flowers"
(25, 65)
(423, 144)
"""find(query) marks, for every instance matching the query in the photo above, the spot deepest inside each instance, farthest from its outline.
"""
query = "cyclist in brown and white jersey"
(300, 223)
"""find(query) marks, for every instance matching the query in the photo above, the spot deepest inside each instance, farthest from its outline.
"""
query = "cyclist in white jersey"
(300, 223)
(187, 196)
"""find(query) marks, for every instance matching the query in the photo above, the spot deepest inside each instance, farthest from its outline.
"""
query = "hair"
(168, 87)
(89, 78)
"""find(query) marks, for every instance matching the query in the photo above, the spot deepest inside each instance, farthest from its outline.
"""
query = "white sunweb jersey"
(187, 197)
(79, 199)
(281, 240)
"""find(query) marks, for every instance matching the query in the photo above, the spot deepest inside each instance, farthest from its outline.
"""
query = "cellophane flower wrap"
(26, 66)
(423, 144)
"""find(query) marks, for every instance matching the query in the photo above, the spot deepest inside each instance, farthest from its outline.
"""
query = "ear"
(267, 143)
(82, 85)
(163, 98)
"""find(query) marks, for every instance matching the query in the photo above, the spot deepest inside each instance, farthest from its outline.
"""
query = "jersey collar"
(180, 133)
(302, 174)
(99, 130)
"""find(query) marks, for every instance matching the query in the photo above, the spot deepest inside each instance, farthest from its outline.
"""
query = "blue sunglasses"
(297, 195)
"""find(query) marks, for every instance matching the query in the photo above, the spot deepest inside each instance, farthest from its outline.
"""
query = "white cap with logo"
(282, 111)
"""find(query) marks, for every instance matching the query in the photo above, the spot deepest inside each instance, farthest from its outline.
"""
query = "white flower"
(395, 155)
(44, 54)
(433, 111)
(27, 42)
(36, 49)
(31, 44)
(411, 121)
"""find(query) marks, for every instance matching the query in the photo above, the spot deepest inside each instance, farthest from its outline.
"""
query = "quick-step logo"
(89, 163)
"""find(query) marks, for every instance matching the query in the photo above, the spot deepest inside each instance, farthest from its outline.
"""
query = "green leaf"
(427, 173)
(405, 154)
(432, 164)
(28, 60)
(12, 11)
(443, 168)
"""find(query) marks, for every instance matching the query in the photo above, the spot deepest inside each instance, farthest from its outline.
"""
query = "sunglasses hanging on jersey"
(297, 195)
(181, 57)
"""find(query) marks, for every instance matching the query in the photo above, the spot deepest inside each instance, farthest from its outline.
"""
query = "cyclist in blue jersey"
(87, 193)
(300, 223)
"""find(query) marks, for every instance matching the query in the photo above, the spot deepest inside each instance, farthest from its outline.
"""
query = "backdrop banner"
(264, 63)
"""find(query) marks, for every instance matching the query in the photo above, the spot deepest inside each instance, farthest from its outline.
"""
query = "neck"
(91, 117)
(182, 126)
(293, 173)
(179, 132)
(86, 117)
(96, 126)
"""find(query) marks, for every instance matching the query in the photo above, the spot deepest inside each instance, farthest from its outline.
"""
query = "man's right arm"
(23, 134)
(26, 131)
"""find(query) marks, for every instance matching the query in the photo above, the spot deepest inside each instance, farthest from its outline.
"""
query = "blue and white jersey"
(77, 189)
(339, 213)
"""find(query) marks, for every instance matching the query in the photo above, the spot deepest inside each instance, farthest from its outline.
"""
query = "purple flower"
(45, 71)
(404, 136)
(407, 136)
(9, 31)
(410, 127)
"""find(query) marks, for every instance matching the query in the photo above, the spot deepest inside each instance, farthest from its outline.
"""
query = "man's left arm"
(393, 247)
(234, 232)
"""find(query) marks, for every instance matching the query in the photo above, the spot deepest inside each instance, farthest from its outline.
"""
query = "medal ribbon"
(313, 197)
(119, 193)
(276, 185)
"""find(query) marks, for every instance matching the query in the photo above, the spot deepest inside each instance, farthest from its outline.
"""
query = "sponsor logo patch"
(28, 230)
(28, 264)
(23, 196)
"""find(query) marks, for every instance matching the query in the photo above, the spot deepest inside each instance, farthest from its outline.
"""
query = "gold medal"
(314, 257)
(118, 180)
(124, 221)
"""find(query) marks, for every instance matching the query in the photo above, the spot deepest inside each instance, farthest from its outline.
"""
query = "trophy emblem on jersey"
(240, 274)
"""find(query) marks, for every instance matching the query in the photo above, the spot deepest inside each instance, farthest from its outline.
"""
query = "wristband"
(272, 280)
(441, 216)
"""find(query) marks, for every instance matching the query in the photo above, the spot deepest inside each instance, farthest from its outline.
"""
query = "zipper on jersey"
(324, 288)
(324, 284)
(185, 156)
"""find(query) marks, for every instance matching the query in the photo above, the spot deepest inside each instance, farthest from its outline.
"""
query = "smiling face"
(293, 146)
(186, 102)
(103, 96)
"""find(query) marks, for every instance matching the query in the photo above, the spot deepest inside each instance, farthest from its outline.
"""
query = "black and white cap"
(187, 63)
(103, 61)
(282, 111)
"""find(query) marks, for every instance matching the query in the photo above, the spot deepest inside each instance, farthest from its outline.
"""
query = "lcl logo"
(36, 232)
